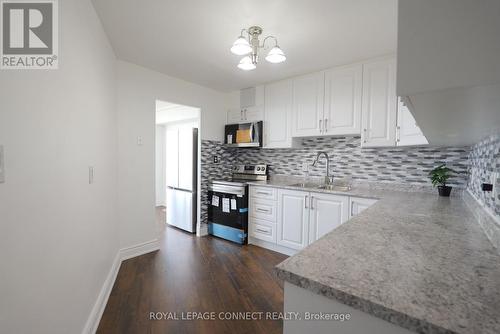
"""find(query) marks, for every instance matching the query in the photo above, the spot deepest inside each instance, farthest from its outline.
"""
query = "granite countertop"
(415, 259)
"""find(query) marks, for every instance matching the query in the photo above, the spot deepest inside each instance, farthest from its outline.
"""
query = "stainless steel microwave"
(244, 134)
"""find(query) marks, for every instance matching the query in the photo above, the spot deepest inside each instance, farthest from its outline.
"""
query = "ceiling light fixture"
(250, 47)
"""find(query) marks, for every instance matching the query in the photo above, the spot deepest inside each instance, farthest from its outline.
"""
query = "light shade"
(276, 55)
(241, 47)
(246, 64)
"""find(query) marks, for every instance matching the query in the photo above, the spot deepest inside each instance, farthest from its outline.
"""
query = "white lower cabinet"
(326, 213)
(293, 217)
(288, 220)
(358, 204)
(262, 229)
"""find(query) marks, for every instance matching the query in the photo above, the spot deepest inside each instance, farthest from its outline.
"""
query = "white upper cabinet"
(379, 103)
(249, 114)
(308, 98)
(293, 218)
(327, 212)
(342, 110)
(408, 132)
(278, 115)
(251, 106)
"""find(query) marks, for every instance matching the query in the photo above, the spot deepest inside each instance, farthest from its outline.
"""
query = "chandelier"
(250, 46)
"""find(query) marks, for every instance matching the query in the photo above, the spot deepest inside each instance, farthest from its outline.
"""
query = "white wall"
(137, 91)
(58, 234)
(160, 166)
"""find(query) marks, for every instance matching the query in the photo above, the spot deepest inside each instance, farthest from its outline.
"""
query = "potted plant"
(439, 176)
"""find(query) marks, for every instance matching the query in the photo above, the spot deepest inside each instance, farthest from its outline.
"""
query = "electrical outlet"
(494, 181)
(139, 141)
(2, 164)
(305, 166)
(216, 159)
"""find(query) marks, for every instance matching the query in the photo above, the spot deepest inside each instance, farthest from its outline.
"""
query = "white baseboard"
(102, 299)
(139, 249)
(272, 246)
(122, 255)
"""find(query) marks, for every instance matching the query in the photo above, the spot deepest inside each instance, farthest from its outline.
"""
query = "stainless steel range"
(228, 203)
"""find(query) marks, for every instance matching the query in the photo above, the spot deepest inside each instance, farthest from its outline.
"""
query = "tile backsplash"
(484, 159)
(408, 165)
(211, 170)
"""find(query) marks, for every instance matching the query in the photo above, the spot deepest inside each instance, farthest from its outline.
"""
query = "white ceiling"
(190, 39)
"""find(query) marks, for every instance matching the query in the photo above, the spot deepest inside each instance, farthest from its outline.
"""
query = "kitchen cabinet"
(358, 204)
(342, 108)
(379, 103)
(287, 220)
(278, 115)
(408, 132)
(293, 217)
(249, 114)
(308, 99)
(326, 212)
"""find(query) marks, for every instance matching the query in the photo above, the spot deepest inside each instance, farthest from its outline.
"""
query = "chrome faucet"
(328, 178)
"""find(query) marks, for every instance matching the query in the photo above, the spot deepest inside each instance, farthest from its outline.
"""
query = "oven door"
(228, 215)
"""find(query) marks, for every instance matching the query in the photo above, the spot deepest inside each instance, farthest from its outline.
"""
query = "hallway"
(190, 274)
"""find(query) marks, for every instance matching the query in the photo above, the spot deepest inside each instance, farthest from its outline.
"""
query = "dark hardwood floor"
(190, 274)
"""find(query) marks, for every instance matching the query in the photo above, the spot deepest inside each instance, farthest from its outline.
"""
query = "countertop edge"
(395, 317)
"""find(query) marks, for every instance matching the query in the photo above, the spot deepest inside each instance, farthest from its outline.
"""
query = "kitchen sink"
(334, 187)
(330, 187)
(305, 185)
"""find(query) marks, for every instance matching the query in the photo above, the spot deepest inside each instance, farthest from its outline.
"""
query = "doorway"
(178, 165)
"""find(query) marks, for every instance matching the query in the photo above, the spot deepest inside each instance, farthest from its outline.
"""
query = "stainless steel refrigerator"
(182, 177)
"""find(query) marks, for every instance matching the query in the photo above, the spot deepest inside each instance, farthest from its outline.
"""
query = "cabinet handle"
(262, 210)
(364, 139)
(398, 133)
(305, 201)
(312, 202)
(320, 128)
(326, 125)
(262, 193)
(245, 114)
(262, 231)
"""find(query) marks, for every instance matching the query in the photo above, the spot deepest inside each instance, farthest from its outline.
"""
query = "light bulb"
(241, 47)
(246, 64)
(275, 55)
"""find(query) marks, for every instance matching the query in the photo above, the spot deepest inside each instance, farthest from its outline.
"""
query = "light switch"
(139, 141)
(2, 165)
(91, 174)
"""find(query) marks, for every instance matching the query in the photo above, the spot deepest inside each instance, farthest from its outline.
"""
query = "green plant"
(440, 175)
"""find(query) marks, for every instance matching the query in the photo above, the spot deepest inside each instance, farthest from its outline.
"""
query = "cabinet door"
(327, 212)
(234, 116)
(379, 106)
(172, 157)
(409, 132)
(253, 114)
(343, 87)
(293, 217)
(358, 204)
(278, 115)
(308, 98)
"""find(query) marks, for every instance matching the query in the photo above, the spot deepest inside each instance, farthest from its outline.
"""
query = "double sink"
(329, 187)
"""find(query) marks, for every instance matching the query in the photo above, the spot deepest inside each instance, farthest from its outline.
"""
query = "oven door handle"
(227, 189)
